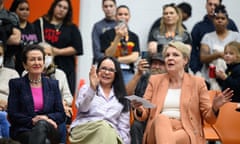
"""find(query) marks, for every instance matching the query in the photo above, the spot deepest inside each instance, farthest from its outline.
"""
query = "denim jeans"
(127, 75)
(4, 125)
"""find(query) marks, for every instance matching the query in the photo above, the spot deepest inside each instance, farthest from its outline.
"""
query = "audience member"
(9, 34)
(103, 112)
(169, 29)
(122, 43)
(28, 34)
(5, 75)
(231, 77)
(200, 29)
(138, 86)
(35, 107)
(63, 36)
(107, 23)
(186, 10)
(51, 71)
(213, 43)
(182, 102)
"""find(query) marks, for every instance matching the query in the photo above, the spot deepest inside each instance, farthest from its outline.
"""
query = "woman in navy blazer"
(35, 106)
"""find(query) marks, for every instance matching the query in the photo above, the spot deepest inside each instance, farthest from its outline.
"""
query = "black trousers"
(41, 133)
(137, 131)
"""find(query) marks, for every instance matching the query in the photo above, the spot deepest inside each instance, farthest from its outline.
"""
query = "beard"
(156, 71)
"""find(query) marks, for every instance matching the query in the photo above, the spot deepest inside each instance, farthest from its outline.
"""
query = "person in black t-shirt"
(63, 36)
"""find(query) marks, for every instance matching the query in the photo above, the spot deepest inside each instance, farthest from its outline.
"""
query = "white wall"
(143, 14)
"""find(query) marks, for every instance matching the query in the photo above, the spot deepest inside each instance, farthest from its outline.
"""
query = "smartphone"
(120, 23)
(145, 55)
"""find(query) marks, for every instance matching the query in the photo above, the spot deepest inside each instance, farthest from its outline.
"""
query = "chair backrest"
(228, 124)
(74, 108)
(209, 131)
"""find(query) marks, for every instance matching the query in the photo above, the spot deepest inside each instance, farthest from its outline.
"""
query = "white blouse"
(171, 107)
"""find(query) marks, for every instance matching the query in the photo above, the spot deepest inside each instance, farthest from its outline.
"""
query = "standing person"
(122, 43)
(9, 34)
(213, 43)
(182, 102)
(200, 29)
(231, 77)
(5, 75)
(63, 36)
(107, 23)
(186, 10)
(138, 86)
(28, 34)
(35, 106)
(103, 112)
(169, 29)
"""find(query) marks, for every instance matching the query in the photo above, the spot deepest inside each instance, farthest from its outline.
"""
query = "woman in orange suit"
(182, 102)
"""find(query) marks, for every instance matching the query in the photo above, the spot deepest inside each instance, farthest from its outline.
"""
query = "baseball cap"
(157, 56)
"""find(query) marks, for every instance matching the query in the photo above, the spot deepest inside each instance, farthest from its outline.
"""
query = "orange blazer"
(195, 105)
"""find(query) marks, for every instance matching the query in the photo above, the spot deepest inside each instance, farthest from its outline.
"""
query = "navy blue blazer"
(21, 105)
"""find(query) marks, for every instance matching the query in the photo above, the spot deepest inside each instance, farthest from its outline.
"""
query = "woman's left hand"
(222, 98)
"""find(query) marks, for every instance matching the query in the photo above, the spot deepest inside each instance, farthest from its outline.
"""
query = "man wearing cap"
(138, 85)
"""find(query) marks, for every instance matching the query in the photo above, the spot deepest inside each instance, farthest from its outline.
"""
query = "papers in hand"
(144, 102)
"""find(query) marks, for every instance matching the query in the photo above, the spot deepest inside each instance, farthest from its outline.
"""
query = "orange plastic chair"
(74, 108)
(209, 131)
(228, 124)
(227, 127)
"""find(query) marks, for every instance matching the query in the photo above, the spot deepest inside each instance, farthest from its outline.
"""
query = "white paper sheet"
(144, 102)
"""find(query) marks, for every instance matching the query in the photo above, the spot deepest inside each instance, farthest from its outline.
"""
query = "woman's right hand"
(93, 78)
(136, 105)
(44, 117)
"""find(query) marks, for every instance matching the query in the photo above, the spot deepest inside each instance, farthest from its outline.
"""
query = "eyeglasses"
(105, 69)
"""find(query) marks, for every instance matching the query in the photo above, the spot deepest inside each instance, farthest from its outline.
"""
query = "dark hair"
(118, 84)
(15, 4)
(220, 9)
(220, 1)
(29, 48)
(186, 8)
(123, 6)
(114, 1)
(68, 18)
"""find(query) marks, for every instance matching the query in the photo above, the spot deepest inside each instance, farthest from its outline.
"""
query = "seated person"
(5, 75)
(51, 71)
(182, 102)
(35, 108)
(103, 112)
(138, 86)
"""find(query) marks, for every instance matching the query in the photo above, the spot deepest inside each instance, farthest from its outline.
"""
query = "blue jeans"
(127, 75)
(4, 125)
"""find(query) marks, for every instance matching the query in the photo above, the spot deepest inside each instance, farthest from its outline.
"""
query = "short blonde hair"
(180, 46)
